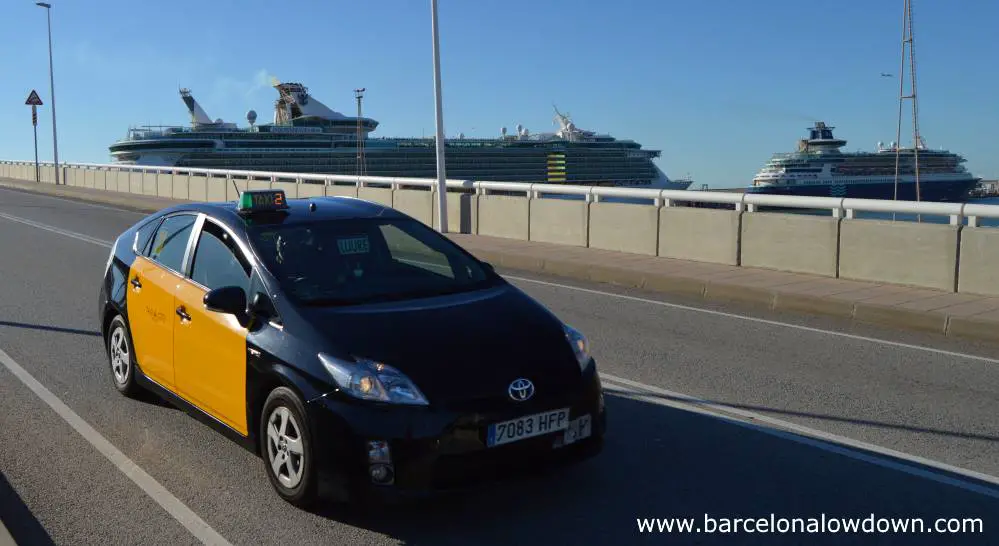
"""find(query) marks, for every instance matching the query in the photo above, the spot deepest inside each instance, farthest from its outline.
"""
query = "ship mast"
(359, 94)
(916, 141)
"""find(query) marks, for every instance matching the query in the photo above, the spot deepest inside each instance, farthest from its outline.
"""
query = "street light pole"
(55, 141)
(441, 170)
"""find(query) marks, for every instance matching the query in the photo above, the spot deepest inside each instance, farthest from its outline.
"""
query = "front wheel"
(121, 357)
(286, 447)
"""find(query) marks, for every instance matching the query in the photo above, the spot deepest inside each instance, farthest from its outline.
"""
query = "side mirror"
(226, 299)
(489, 267)
(261, 306)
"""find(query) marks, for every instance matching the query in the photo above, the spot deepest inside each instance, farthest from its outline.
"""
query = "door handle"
(182, 313)
(135, 282)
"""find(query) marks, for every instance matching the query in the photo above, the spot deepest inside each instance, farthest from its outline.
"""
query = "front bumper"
(436, 451)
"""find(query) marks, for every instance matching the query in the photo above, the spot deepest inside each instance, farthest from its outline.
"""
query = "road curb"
(763, 298)
(717, 291)
(113, 198)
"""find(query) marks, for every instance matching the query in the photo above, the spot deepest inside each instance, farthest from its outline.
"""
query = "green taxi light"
(262, 200)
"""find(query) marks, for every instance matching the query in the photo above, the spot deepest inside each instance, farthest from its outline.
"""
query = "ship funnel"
(198, 115)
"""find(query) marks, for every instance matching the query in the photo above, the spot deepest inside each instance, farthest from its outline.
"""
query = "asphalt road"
(930, 399)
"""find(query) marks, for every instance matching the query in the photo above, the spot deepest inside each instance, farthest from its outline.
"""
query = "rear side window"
(170, 241)
(142, 236)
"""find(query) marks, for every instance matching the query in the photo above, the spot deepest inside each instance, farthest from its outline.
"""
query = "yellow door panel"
(210, 358)
(149, 304)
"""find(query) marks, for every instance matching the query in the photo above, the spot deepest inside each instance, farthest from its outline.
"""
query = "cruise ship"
(306, 136)
(820, 168)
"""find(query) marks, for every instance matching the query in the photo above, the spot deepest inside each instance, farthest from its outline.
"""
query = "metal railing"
(837, 207)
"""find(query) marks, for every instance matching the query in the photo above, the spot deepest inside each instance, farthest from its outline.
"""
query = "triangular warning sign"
(33, 98)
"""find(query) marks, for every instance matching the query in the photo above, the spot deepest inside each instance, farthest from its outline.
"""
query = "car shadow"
(664, 462)
(48, 328)
(22, 525)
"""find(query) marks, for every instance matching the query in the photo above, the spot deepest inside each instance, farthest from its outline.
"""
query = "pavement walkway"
(959, 315)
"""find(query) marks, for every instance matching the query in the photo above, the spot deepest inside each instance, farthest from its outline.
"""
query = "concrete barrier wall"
(504, 216)
(978, 269)
(164, 184)
(560, 222)
(335, 190)
(791, 242)
(382, 196)
(416, 203)
(462, 212)
(624, 227)
(301, 190)
(702, 235)
(905, 253)
(197, 188)
(899, 253)
(149, 184)
(181, 187)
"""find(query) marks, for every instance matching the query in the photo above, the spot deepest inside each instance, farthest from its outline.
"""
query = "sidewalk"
(957, 315)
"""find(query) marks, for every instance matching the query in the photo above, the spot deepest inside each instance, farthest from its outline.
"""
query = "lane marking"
(5, 537)
(201, 530)
(73, 201)
(60, 231)
(877, 455)
(856, 337)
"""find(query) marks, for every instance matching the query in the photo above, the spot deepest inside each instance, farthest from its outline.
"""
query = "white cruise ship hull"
(955, 188)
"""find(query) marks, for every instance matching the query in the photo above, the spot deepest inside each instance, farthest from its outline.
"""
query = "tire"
(121, 358)
(290, 469)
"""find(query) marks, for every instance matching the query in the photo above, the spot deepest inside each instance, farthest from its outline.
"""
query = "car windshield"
(344, 262)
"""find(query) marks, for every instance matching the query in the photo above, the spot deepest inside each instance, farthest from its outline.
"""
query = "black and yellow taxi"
(358, 351)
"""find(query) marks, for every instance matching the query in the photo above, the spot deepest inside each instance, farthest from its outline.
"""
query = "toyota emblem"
(521, 390)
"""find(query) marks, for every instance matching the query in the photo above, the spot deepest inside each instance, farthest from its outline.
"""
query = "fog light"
(378, 452)
(381, 474)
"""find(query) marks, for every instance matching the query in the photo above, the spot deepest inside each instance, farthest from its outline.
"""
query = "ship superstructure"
(820, 168)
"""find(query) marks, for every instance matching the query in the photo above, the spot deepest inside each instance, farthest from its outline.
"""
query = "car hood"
(460, 347)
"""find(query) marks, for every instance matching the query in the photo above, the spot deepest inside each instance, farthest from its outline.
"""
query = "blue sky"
(717, 85)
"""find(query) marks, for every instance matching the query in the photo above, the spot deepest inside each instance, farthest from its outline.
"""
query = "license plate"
(579, 428)
(527, 426)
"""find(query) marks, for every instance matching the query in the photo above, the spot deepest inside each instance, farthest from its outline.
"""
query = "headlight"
(580, 346)
(370, 380)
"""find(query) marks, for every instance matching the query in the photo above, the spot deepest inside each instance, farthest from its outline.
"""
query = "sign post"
(35, 101)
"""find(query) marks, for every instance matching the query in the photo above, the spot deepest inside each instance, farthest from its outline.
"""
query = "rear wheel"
(286, 447)
(121, 358)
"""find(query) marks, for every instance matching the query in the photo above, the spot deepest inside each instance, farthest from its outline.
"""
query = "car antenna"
(235, 187)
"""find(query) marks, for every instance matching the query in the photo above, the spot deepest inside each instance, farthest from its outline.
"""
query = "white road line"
(74, 201)
(761, 320)
(60, 231)
(826, 441)
(201, 530)
(5, 538)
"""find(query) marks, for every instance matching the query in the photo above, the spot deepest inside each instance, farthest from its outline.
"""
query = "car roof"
(299, 211)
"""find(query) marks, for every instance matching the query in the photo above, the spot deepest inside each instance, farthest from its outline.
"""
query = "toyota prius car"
(355, 349)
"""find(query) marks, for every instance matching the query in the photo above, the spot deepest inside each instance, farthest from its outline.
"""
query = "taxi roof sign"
(34, 99)
(262, 200)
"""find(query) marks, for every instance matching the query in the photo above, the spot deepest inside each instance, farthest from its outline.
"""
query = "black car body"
(356, 349)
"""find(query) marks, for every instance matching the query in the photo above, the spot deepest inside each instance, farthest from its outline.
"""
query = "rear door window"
(169, 245)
